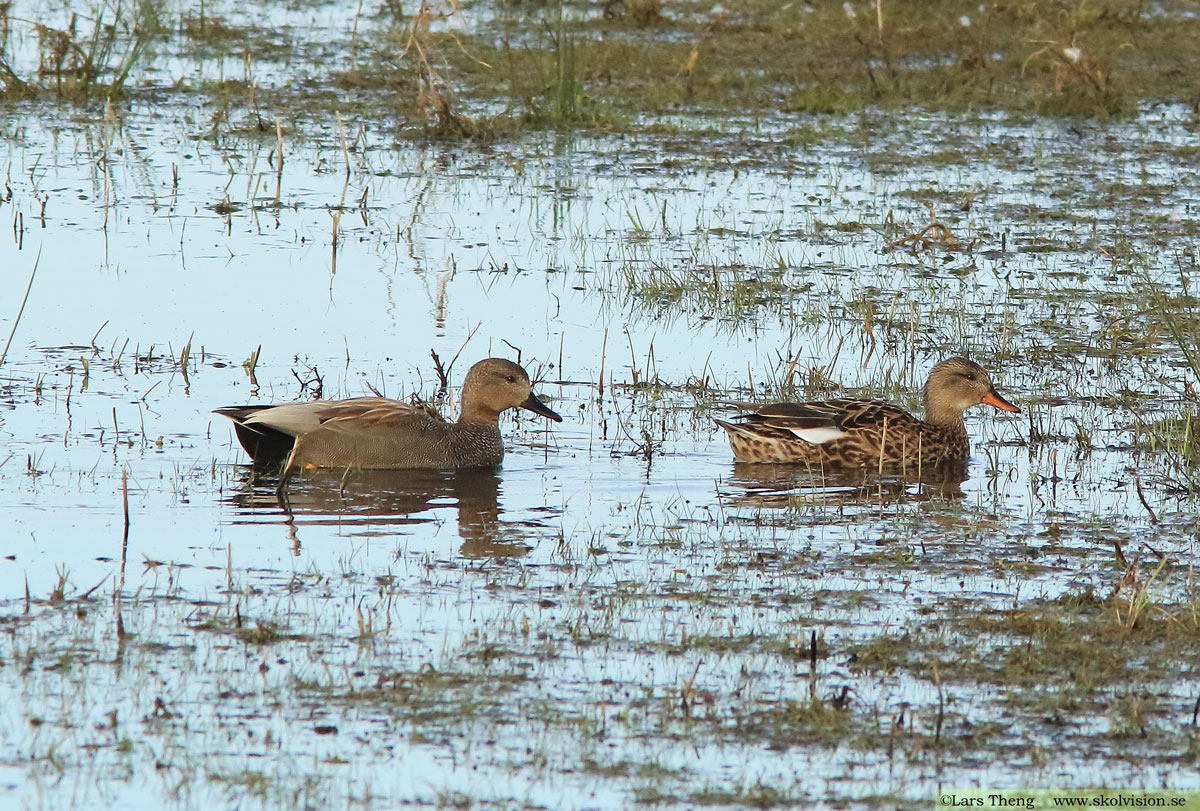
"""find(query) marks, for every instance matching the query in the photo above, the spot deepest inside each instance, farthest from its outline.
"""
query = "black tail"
(266, 446)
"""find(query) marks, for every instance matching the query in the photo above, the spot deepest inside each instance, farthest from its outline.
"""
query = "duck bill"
(993, 399)
(538, 407)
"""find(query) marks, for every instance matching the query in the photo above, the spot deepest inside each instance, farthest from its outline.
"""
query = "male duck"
(378, 433)
(858, 433)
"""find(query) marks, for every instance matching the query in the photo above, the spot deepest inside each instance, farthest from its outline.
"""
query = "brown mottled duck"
(846, 432)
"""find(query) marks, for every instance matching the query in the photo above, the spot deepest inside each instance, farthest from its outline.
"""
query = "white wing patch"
(289, 418)
(818, 436)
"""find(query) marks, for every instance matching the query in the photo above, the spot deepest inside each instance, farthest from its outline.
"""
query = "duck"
(849, 433)
(377, 433)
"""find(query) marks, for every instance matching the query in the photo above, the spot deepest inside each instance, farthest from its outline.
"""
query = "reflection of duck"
(378, 433)
(849, 433)
(374, 502)
(785, 485)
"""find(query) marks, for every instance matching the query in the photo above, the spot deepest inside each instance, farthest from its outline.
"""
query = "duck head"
(494, 385)
(956, 384)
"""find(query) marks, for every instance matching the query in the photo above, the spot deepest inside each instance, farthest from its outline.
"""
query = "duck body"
(379, 433)
(844, 432)
(848, 432)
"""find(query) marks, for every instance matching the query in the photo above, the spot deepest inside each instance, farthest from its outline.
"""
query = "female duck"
(375, 432)
(858, 433)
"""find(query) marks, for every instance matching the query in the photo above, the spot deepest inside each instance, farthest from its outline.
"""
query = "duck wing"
(365, 414)
(811, 422)
(358, 415)
(825, 421)
(871, 415)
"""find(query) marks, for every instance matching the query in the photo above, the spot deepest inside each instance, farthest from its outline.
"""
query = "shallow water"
(620, 613)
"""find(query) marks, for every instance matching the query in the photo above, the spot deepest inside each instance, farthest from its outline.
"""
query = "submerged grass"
(741, 645)
(90, 56)
(1171, 429)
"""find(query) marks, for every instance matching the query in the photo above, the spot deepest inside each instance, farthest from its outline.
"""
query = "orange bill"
(993, 399)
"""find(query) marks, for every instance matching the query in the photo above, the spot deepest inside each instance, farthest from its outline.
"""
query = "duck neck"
(474, 413)
(945, 417)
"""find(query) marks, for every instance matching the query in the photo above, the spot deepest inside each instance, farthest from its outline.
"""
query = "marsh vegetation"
(655, 208)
